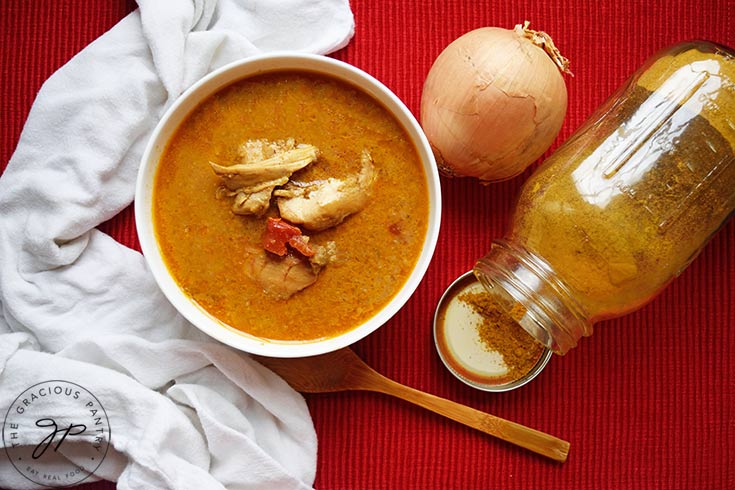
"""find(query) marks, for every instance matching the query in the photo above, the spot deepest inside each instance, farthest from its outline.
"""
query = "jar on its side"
(627, 202)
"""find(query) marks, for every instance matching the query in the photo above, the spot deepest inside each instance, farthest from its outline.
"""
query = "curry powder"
(500, 332)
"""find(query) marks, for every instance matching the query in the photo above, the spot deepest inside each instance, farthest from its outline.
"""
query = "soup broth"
(206, 246)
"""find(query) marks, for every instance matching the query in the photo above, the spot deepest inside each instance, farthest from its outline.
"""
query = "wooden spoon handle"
(520, 435)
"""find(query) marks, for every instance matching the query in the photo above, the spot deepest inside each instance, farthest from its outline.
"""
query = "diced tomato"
(278, 233)
(395, 228)
(301, 244)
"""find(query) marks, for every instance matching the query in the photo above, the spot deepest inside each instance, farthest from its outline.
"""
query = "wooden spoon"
(343, 370)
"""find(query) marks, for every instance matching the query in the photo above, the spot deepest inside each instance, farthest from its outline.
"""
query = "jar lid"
(482, 345)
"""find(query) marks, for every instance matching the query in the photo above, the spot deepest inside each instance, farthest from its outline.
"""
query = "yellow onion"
(494, 101)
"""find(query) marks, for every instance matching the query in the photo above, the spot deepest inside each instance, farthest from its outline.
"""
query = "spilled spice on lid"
(499, 331)
(480, 343)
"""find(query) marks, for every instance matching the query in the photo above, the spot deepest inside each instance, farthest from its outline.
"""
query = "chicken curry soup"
(291, 206)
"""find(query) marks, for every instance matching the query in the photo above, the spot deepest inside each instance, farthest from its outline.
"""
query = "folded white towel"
(81, 314)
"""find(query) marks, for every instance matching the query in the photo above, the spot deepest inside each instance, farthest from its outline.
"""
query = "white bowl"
(178, 112)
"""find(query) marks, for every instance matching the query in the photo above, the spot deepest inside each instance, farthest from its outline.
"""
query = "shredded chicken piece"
(280, 277)
(264, 166)
(324, 254)
(253, 200)
(323, 204)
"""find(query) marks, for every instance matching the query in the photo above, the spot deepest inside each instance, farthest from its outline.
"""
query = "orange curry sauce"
(204, 244)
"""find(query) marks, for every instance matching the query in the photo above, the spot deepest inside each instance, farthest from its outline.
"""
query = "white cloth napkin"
(185, 412)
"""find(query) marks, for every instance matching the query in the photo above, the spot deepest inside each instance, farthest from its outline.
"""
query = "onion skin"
(493, 102)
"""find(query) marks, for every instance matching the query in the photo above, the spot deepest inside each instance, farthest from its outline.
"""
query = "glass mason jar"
(626, 203)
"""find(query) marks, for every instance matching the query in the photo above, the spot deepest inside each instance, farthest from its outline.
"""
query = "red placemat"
(647, 402)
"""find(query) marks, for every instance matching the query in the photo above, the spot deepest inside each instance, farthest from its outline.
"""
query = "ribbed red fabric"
(648, 402)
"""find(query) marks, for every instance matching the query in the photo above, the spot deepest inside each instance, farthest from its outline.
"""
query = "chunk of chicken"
(264, 165)
(282, 277)
(254, 199)
(321, 205)
(324, 254)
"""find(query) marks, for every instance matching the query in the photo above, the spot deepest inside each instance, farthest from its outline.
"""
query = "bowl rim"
(179, 110)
